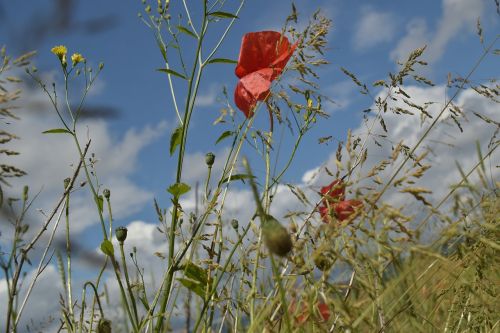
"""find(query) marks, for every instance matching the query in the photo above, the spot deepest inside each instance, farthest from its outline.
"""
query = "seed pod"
(121, 234)
(210, 159)
(322, 261)
(276, 237)
(104, 326)
(66, 182)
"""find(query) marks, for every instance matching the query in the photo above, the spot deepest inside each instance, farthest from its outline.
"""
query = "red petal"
(324, 311)
(335, 191)
(345, 209)
(252, 88)
(324, 212)
(264, 49)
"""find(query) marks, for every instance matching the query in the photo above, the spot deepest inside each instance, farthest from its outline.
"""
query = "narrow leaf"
(56, 130)
(223, 15)
(222, 60)
(237, 177)
(186, 31)
(170, 71)
(175, 139)
(223, 136)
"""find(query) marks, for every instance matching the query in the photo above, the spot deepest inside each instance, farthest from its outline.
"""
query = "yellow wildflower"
(60, 51)
(76, 58)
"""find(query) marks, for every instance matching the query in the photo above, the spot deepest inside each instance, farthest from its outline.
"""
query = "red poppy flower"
(345, 209)
(334, 192)
(263, 56)
(303, 316)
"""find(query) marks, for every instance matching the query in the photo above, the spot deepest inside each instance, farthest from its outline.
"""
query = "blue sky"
(367, 38)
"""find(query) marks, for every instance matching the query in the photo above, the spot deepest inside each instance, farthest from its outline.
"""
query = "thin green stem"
(68, 257)
(127, 281)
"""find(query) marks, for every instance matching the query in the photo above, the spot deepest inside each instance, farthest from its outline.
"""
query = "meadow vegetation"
(348, 259)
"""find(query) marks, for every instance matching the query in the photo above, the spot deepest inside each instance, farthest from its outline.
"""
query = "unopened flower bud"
(106, 193)
(322, 261)
(210, 159)
(66, 182)
(276, 237)
(234, 224)
(25, 193)
(121, 234)
(104, 326)
(101, 66)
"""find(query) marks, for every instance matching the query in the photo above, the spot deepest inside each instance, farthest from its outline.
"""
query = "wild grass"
(427, 266)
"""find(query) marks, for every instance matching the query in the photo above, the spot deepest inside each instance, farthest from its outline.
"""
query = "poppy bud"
(234, 224)
(25, 193)
(276, 237)
(210, 159)
(104, 326)
(121, 234)
(322, 261)
(106, 193)
(66, 182)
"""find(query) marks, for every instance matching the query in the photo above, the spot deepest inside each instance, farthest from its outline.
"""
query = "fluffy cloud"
(446, 143)
(41, 311)
(457, 16)
(49, 158)
(374, 28)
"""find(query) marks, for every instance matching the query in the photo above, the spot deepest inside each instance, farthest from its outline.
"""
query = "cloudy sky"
(131, 141)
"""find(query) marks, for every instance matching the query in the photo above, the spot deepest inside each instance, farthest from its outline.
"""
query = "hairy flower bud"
(276, 237)
(66, 182)
(106, 193)
(104, 326)
(234, 224)
(210, 159)
(121, 234)
(25, 193)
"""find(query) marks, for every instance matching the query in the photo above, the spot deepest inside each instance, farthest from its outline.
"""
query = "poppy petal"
(345, 209)
(252, 88)
(334, 192)
(263, 49)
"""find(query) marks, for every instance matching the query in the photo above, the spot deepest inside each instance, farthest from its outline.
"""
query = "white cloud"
(209, 96)
(49, 159)
(457, 16)
(374, 28)
(41, 311)
(446, 143)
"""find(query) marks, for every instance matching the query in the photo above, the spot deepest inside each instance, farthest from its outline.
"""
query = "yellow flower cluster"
(60, 51)
(76, 58)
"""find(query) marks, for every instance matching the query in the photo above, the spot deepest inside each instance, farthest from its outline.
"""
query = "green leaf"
(195, 272)
(223, 15)
(57, 131)
(144, 302)
(223, 136)
(107, 248)
(195, 278)
(237, 177)
(186, 31)
(222, 60)
(194, 286)
(170, 71)
(178, 189)
(175, 139)
(100, 203)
